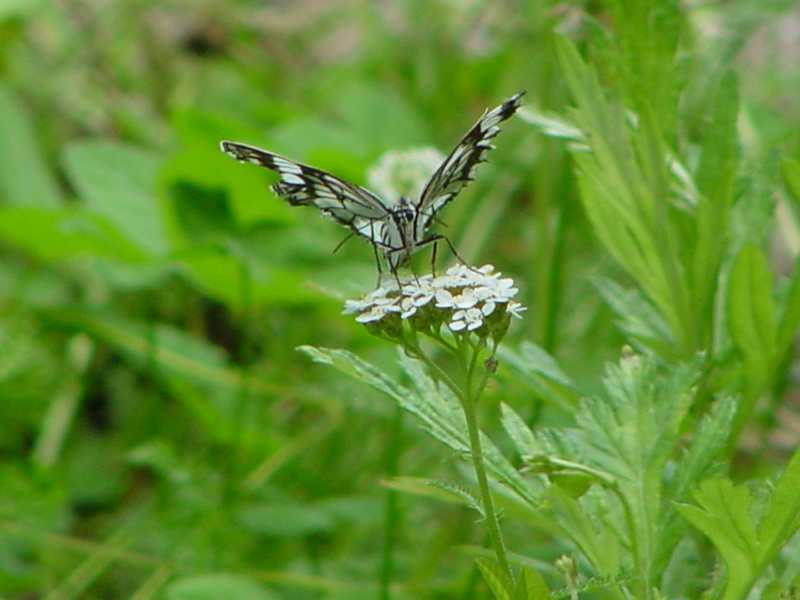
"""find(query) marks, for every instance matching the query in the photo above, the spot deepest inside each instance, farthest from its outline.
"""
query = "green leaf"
(200, 164)
(623, 182)
(530, 585)
(291, 519)
(233, 281)
(220, 586)
(434, 405)
(25, 177)
(429, 488)
(711, 436)
(380, 116)
(204, 214)
(196, 370)
(595, 539)
(640, 320)
(751, 315)
(520, 434)
(541, 372)
(790, 314)
(54, 234)
(720, 144)
(791, 177)
(782, 520)
(496, 579)
(286, 520)
(626, 439)
(715, 176)
(724, 517)
(118, 182)
(552, 125)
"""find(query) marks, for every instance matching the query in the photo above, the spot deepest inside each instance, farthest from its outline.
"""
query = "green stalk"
(469, 402)
(469, 398)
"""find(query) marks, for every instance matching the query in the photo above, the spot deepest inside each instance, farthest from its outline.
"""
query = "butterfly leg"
(433, 256)
(378, 263)
(436, 237)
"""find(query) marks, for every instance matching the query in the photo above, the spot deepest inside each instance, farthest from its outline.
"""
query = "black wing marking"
(457, 170)
(350, 205)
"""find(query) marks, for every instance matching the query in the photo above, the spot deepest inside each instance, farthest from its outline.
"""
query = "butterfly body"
(396, 229)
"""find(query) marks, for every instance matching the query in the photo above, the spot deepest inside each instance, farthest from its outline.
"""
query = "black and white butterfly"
(396, 228)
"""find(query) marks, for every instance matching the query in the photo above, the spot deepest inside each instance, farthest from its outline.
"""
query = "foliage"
(163, 439)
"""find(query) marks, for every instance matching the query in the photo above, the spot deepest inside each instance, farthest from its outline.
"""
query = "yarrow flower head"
(403, 172)
(464, 299)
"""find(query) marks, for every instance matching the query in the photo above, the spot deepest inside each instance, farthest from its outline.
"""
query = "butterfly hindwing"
(457, 170)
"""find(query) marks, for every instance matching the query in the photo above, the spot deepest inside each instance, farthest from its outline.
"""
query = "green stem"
(469, 398)
(469, 402)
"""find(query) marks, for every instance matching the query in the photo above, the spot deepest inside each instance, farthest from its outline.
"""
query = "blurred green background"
(160, 434)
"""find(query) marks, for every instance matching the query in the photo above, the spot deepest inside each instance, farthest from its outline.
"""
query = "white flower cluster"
(469, 297)
(403, 172)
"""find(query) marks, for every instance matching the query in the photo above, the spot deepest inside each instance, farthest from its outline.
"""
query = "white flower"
(403, 172)
(472, 318)
(463, 298)
(466, 299)
(515, 309)
(374, 313)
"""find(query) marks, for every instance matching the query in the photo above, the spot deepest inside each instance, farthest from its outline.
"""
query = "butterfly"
(397, 228)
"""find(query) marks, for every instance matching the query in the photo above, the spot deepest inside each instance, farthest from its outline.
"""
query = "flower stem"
(469, 396)
(469, 402)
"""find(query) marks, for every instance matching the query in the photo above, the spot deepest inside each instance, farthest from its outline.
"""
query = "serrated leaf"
(598, 542)
(434, 405)
(530, 585)
(430, 488)
(782, 520)
(723, 516)
(495, 578)
(541, 372)
(552, 125)
(751, 315)
(350, 364)
(629, 436)
(720, 144)
(711, 436)
(638, 316)
(624, 180)
(520, 434)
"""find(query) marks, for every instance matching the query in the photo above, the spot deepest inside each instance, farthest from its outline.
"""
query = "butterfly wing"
(350, 205)
(458, 168)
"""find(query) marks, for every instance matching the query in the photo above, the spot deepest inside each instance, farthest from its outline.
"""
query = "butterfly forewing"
(303, 185)
(457, 170)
